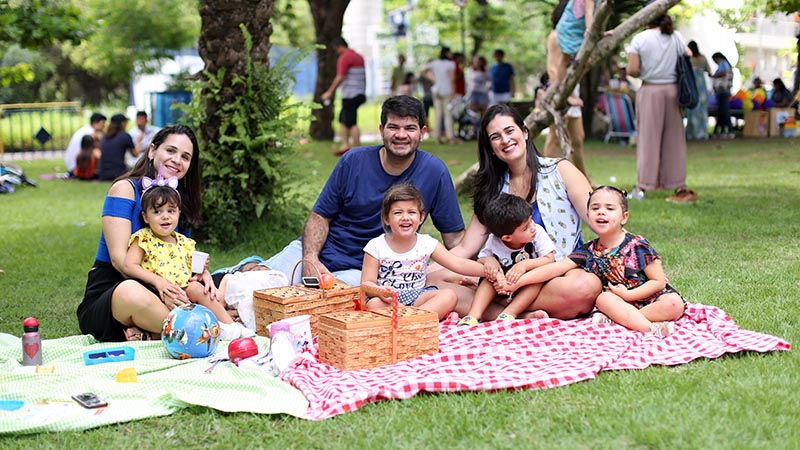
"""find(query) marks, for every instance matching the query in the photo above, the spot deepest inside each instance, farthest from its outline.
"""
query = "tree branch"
(597, 46)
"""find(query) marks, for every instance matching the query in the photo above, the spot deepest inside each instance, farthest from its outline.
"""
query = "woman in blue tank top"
(116, 307)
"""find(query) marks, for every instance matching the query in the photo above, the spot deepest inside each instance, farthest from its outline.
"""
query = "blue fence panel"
(163, 112)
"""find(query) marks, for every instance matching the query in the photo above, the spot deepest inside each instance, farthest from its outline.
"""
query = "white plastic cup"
(199, 261)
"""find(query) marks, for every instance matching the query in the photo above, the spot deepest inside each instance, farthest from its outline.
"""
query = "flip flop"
(135, 334)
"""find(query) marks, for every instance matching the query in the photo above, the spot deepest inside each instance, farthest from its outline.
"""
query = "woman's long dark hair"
(694, 48)
(85, 155)
(718, 55)
(491, 169)
(188, 187)
(664, 23)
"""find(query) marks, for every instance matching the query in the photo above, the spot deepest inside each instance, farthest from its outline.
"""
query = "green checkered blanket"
(164, 385)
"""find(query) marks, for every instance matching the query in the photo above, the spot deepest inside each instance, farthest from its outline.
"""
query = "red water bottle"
(31, 343)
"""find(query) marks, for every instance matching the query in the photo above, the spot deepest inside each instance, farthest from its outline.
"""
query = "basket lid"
(351, 320)
(288, 294)
(406, 314)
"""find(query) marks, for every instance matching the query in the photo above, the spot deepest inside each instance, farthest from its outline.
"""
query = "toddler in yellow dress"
(162, 257)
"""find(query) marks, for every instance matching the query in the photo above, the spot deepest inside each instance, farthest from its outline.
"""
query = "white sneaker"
(598, 318)
(247, 332)
(636, 194)
(235, 330)
(662, 329)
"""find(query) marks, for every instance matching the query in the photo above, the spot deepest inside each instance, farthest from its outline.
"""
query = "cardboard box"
(777, 118)
(756, 124)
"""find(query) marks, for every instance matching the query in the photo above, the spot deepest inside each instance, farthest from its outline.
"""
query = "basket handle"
(376, 291)
(319, 274)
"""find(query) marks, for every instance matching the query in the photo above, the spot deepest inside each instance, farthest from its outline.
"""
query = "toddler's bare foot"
(538, 314)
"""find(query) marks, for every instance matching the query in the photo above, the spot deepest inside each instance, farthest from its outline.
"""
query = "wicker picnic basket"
(273, 304)
(352, 340)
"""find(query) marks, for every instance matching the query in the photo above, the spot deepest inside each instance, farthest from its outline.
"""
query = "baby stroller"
(467, 121)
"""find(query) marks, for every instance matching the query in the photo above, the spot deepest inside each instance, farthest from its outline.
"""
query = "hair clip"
(147, 182)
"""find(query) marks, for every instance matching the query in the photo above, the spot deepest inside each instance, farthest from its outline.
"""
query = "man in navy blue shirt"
(347, 213)
(502, 77)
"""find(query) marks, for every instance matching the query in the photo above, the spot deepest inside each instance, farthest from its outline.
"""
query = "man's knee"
(286, 259)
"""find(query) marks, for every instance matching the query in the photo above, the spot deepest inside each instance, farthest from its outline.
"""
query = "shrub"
(244, 172)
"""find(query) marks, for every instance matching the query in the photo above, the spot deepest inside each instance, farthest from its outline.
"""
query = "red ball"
(242, 348)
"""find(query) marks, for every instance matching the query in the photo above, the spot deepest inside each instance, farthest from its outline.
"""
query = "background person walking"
(352, 78)
(661, 142)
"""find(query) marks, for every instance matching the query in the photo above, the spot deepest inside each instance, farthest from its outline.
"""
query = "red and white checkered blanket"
(524, 354)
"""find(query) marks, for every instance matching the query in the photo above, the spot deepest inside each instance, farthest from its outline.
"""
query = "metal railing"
(32, 127)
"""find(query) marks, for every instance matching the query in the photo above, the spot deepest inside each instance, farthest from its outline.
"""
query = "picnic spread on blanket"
(140, 379)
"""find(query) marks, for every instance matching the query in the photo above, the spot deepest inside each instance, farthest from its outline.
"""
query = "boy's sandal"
(468, 321)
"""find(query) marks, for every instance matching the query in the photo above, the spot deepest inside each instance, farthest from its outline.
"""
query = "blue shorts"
(479, 98)
(410, 296)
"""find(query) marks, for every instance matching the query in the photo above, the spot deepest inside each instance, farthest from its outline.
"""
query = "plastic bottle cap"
(31, 324)
(278, 326)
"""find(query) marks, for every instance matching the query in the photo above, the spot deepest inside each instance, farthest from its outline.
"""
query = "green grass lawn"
(738, 248)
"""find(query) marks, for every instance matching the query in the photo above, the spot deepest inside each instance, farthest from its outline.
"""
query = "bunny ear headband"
(147, 183)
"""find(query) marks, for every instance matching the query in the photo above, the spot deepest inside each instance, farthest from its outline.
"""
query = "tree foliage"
(26, 26)
(92, 48)
(132, 36)
(292, 25)
(39, 23)
(784, 6)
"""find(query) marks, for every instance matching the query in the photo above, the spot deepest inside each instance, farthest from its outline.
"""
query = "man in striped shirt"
(352, 78)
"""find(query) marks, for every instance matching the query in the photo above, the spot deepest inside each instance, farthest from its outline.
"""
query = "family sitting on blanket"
(348, 214)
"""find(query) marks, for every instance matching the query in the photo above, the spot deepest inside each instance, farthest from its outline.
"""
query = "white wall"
(363, 20)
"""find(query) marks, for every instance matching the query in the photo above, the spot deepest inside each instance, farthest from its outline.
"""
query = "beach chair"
(620, 111)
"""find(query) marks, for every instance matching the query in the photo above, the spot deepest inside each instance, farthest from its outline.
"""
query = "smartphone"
(89, 400)
(311, 282)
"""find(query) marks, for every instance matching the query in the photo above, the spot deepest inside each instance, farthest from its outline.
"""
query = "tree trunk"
(221, 45)
(328, 16)
(796, 81)
(594, 50)
(476, 20)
